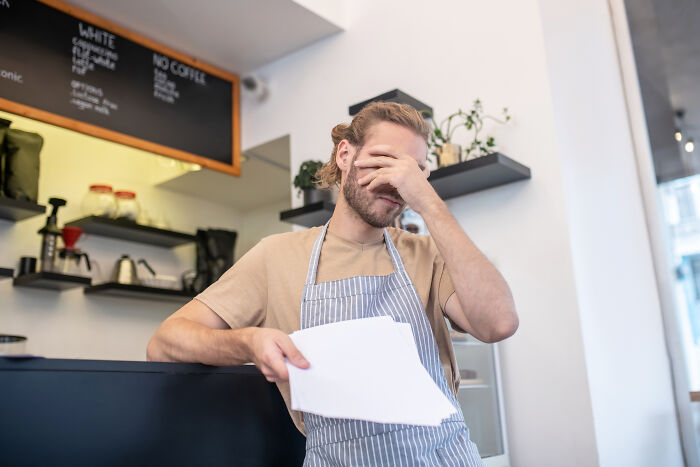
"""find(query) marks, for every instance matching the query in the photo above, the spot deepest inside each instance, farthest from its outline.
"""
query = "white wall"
(628, 368)
(260, 223)
(447, 54)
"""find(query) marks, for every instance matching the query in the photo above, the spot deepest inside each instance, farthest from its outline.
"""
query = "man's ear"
(344, 155)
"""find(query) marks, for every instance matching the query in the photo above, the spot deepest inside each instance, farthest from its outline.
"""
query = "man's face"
(380, 207)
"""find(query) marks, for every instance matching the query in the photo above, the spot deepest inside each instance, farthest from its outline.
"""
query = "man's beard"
(361, 201)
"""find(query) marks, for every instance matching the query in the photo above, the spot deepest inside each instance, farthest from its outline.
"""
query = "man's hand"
(401, 172)
(268, 349)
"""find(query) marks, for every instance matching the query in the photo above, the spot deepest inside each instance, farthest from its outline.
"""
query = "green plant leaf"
(306, 177)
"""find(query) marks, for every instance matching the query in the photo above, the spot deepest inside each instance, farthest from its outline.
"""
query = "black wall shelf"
(17, 209)
(117, 289)
(455, 180)
(50, 280)
(395, 95)
(6, 272)
(477, 174)
(310, 215)
(125, 229)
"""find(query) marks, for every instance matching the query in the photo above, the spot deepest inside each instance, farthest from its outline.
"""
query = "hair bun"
(339, 133)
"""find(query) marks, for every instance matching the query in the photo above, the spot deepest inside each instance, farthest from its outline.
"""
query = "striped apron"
(333, 441)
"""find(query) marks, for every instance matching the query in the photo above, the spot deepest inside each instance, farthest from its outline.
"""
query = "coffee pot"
(69, 257)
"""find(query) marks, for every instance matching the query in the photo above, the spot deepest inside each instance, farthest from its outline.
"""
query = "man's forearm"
(183, 340)
(484, 295)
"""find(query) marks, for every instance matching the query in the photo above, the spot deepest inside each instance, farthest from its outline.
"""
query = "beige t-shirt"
(265, 286)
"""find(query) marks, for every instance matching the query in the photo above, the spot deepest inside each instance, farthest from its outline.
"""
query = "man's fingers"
(377, 161)
(388, 151)
(370, 176)
(292, 353)
(379, 181)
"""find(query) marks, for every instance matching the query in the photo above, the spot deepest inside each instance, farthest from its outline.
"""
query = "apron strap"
(315, 255)
(396, 259)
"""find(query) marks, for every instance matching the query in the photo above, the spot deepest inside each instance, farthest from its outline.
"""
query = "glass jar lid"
(125, 194)
(101, 188)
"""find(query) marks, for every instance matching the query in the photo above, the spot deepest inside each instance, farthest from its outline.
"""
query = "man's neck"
(347, 224)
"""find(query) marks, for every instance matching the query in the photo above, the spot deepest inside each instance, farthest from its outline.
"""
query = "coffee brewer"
(69, 256)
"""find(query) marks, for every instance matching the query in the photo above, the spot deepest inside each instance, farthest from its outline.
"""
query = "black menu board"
(67, 67)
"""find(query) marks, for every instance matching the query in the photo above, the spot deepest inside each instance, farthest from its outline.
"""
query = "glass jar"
(127, 206)
(99, 201)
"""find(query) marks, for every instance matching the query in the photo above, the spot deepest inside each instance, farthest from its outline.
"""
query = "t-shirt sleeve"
(239, 297)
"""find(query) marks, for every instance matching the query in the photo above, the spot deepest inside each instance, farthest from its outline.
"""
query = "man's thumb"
(293, 354)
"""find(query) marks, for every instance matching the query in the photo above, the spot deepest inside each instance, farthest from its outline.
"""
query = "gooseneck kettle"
(125, 271)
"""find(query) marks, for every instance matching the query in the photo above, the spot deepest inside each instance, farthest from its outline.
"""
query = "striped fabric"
(333, 441)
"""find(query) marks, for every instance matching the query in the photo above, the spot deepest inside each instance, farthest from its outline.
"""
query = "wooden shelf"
(124, 229)
(50, 280)
(395, 95)
(17, 209)
(477, 174)
(449, 182)
(117, 289)
(6, 272)
(311, 215)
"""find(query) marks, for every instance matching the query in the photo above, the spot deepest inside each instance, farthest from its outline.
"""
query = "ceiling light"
(689, 145)
(678, 135)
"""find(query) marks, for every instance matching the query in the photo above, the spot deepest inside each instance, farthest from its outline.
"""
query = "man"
(356, 267)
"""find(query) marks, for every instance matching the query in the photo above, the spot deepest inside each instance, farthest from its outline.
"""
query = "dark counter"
(88, 412)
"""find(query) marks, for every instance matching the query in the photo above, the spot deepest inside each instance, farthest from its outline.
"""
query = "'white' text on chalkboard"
(97, 35)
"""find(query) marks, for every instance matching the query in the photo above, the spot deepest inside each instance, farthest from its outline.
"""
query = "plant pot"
(449, 154)
(314, 195)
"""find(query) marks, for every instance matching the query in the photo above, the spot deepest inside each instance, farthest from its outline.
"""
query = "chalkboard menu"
(67, 67)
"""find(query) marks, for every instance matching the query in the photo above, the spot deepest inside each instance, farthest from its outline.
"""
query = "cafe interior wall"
(628, 365)
(447, 54)
(70, 324)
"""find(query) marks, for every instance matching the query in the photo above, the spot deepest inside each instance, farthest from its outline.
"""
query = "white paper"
(365, 369)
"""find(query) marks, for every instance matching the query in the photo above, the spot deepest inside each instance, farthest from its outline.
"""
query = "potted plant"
(447, 153)
(306, 181)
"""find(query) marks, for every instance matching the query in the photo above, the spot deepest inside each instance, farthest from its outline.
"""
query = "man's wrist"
(246, 338)
(239, 343)
(430, 206)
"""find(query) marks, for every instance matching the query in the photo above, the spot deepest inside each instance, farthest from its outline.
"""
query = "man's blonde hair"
(356, 132)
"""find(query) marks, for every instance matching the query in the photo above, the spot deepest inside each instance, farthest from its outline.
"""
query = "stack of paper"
(365, 369)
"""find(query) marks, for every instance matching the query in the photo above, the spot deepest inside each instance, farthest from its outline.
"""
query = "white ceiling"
(236, 35)
(265, 179)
